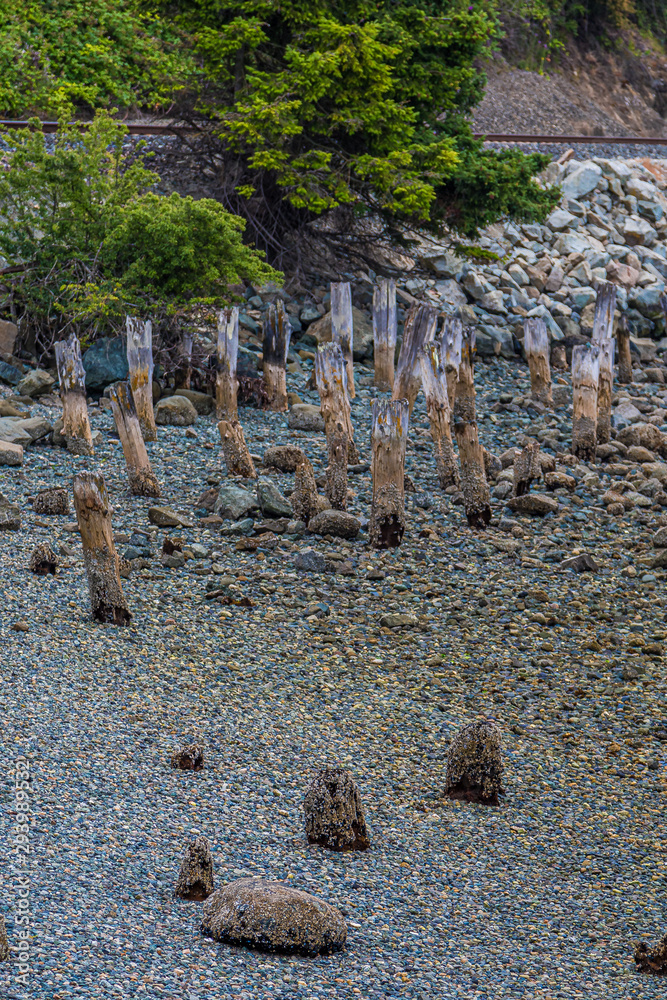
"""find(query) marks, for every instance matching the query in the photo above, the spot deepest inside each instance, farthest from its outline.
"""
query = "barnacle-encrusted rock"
(652, 958)
(334, 813)
(53, 500)
(474, 764)
(273, 917)
(43, 560)
(284, 457)
(195, 879)
(190, 758)
(338, 523)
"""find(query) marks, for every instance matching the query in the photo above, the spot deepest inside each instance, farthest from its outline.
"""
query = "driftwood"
(139, 472)
(384, 332)
(434, 381)
(603, 318)
(585, 373)
(389, 435)
(471, 454)
(72, 377)
(140, 362)
(624, 354)
(450, 352)
(91, 502)
(226, 385)
(235, 449)
(527, 467)
(342, 327)
(183, 374)
(277, 332)
(605, 388)
(536, 346)
(330, 374)
(419, 329)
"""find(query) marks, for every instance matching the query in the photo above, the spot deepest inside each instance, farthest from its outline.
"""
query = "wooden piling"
(226, 384)
(330, 374)
(72, 378)
(624, 353)
(605, 389)
(474, 485)
(305, 500)
(434, 381)
(139, 472)
(389, 435)
(536, 346)
(419, 329)
(183, 375)
(585, 375)
(603, 318)
(450, 352)
(140, 361)
(100, 558)
(527, 468)
(384, 332)
(342, 327)
(235, 449)
(277, 331)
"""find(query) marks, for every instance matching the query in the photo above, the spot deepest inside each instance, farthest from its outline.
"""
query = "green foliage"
(87, 238)
(94, 53)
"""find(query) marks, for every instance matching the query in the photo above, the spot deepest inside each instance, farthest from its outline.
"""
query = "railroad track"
(145, 128)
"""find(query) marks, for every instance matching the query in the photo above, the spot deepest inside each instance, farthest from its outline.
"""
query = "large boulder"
(581, 181)
(10, 454)
(362, 333)
(8, 334)
(12, 430)
(105, 362)
(272, 916)
(9, 374)
(175, 411)
(533, 503)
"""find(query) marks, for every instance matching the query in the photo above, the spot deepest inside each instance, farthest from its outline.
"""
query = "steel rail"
(134, 128)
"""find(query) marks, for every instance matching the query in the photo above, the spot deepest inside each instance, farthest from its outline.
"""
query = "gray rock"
(9, 374)
(638, 232)
(234, 502)
(11, 430)
(583, 563)
(502, 491)
(10, 515)
(195, 879)
(165, 517)
(493, 302)
(243, 527)
(105, 362)
(338, 523)
(646, 436)
(310, 561)
(36, 427)
(446, 266)
(625, 414)
(11, 454)
(35, 383)
(175, 411)
(305, 417)
(8, 333)
(492, 341)
(534, 503)
(362, 333)
(476, 285)
(398, 620)
(202, 402)
(271, 501)
(647, 300)
(272, 916)
(582, 180)
(334, 813)
(560, 219)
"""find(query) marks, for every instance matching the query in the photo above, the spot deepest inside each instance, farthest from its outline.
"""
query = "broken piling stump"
(72, 378)
(183, 374)
(195, 879)
(419, 330)
(434, 381)
(43, 561)
(334, 813)
(305, 500)
(277, 332)
(585, 374)
(605, 390)
(188, 758)
(384, 332)
(451, 344)
(140, 362)
(91, 502)
(624, 354)
(226, 384)
(389, 435)
(342, 323)
(52, 500)
(652, 958)
(603, 318)
(474, 764)
(141, 477)
(536, 346)
(235, 449)
(474, 486)
(527, 468)
(331, 377)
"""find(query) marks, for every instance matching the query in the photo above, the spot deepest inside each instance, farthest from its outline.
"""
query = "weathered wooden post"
(139, 472)
(330, 373)
(603, 318)
(605, 387)
(183, 373)
(450, 351)
(434, 381)
(277, 332)
(342, 324)
(389, 435)
(72, 378)
(471, 454)
(526, 468)
(226, 384)
(235, 449)
(384, 332)
(419, 329)
(536, 346)
(140, 362)
(91, 502)
(585, 374)
(624, 353)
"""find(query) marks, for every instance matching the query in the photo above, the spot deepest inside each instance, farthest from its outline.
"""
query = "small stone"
(54, 500)
(195, 879)
(334, 813)
(397, 620)
(190, 758)
(338, 523)
(21, 626)
(43, 560)
(175, 411)
(583, 563)
(652, 958)
(234, 502)
(474, 764)
(560, 481)
(165, 517)
(272, 916)
(533, 503)
(310, 561)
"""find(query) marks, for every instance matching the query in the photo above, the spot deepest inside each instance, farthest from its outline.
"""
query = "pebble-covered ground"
(543, 897)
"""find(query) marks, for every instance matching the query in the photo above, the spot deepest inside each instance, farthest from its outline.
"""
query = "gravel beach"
(543, 897)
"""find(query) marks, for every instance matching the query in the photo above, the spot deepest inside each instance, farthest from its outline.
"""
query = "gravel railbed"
(587, 150)
(543, 897)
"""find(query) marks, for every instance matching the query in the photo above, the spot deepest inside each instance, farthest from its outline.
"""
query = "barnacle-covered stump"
(474, 764)
(139, 472)
(195, 879)
(4, 942)
(434, 381)
(284, 457)
(334, 813)
(235, 449)
(43, 560)
(474, 486)
(53, 500)
(527, 467)
(605, 389)
(652, 958)
(331, 376)
(190, 758)
(91, 502)
(305, 500)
